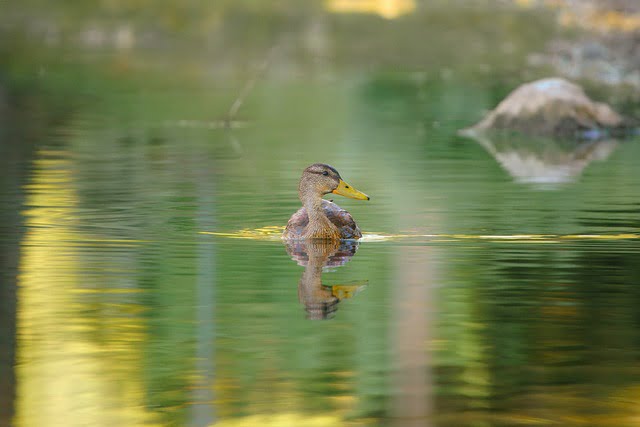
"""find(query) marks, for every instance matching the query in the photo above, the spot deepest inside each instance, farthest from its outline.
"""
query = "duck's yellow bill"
(346, 190)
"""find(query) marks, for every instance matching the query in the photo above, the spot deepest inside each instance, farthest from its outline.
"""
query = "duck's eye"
(325, 173)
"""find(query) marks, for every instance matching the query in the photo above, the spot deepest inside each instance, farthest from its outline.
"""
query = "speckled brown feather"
(318, 218)
(340, 218)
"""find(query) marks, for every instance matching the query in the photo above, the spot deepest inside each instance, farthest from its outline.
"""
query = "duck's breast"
(339, 217)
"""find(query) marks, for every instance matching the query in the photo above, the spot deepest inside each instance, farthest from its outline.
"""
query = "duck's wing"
(341, 219)
(296, 225)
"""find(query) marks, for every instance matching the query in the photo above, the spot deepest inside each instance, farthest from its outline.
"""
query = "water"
(144, 282)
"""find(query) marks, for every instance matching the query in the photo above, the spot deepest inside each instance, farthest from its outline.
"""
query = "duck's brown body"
(318, 218)
(344, 227)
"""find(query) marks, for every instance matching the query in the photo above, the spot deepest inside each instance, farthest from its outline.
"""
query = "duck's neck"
(313, 205)
(319, 225)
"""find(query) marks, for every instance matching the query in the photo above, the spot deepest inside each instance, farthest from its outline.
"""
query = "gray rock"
(549, 107)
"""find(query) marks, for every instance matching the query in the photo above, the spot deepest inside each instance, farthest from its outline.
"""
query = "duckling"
(319, 218)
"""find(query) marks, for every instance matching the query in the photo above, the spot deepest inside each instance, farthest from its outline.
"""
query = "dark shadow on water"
(543, 161)
(19, 132)
(321, 301)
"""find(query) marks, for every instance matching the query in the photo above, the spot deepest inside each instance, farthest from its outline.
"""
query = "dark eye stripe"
(330, 172)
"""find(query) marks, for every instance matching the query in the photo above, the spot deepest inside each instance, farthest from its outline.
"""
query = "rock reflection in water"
(321, 301)
(543, 160)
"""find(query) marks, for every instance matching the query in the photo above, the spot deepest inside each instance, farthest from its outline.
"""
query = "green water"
(144, 284)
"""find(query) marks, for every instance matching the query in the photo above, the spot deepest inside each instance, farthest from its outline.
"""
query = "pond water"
(144, 281)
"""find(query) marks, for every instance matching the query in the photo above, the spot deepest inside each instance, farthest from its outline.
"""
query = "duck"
(319, 218)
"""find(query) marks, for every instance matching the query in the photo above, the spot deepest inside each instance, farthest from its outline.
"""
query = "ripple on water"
(273, 233)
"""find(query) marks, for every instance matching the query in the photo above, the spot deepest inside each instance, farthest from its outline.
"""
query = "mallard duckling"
(319, 218)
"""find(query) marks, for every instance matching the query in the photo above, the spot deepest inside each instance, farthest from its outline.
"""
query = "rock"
(549, 107)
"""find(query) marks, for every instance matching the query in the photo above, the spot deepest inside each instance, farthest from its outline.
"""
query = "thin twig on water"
(247, 88)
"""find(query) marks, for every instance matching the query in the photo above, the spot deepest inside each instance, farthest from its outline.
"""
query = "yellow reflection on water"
(389, 9)
(269, 232)
(274, 232)
(283, 420)
(69, 373)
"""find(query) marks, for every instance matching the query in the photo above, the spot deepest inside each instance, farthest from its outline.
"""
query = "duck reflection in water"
(321, 301)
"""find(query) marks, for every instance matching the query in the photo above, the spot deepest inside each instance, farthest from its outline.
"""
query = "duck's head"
(320, 179)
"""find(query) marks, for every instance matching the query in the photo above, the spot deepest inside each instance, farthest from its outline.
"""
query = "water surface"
(145, 284)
